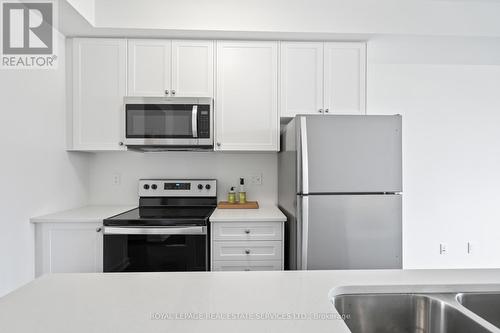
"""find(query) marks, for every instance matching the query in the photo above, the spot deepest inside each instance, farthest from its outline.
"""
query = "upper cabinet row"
(253, 83)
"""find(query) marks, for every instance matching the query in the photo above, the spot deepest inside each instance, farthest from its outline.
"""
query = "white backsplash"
(128, 167)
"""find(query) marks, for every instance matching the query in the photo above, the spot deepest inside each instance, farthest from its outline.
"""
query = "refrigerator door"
(349, 154)
(350, 232)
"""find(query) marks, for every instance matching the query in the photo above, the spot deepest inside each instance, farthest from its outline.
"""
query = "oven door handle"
(194, 121)
(156, 231)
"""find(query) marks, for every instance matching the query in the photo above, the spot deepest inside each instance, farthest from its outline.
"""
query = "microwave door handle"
(194, 121)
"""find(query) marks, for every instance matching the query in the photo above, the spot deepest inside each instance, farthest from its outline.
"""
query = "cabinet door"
(345, 78)
(192, 68)
(69, 248)
(301, 78)
(149, 67)
(99, 80)
(247, 96)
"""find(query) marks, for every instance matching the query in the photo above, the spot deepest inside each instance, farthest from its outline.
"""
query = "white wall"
(36, 174)
(448, 91)
(225, 167)
(430, 17)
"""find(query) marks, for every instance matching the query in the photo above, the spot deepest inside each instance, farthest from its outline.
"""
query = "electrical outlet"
(256, 179)
(116, 179)
(442, 248)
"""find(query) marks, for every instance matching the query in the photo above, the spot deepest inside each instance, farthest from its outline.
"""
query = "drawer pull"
(247, 269)
(247, 231)
(247, 251)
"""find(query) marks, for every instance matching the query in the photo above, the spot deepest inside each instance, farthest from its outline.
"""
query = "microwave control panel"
(203, 121)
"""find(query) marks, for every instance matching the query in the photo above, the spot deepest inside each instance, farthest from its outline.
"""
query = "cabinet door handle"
(320, 110)
(218, 144)
(247, 269)
(247, 231)
(98, 229)
(327, 110)
(173, 92)
(247, 251)
(166, 92)
(120, 143)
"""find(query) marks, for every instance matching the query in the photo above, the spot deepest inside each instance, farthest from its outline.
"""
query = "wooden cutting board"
(236, 205)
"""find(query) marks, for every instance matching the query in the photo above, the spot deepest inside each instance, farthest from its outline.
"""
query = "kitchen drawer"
(247, 231)
(246, 265)
(252, 250)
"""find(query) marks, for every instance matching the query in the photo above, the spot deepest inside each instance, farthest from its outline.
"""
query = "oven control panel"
(177, 188)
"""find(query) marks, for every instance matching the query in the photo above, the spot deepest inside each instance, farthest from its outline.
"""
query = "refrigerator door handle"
(302, 232)
(304, 164)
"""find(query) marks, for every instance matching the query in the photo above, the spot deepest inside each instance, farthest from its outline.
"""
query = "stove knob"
(154, 187)
(200, 187)
(208, 187)
(146, 186)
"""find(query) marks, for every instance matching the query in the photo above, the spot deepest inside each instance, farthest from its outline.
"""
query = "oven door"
(165, 249)
(176, 122)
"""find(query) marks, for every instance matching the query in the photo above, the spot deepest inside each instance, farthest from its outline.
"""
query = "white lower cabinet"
(247, 246)
(247, 266)
(68, 248)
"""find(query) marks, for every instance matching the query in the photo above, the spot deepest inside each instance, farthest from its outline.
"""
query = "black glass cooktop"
(162, 216)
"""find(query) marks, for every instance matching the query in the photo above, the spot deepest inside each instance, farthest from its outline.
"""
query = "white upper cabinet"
(246, 103)
(149, 67)
(192, 68)
(183, 68)
(301, 78)
(328, 78)
(345, 78)
(99, 85)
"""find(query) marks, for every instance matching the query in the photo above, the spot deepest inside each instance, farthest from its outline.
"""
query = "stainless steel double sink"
(448, 312)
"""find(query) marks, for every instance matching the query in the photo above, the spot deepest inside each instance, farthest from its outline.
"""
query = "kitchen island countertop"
(175, 302)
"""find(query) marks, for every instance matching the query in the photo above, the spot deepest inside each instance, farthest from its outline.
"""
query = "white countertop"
(82, 214)
(267, 213)
(125, 302)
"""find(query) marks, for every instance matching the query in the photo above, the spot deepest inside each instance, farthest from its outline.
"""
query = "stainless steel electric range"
(167, 232)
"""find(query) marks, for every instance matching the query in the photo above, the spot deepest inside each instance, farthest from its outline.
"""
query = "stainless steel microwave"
(168, 123)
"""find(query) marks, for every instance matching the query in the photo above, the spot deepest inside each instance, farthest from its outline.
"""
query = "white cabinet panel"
(251, 250)
(149, 67)
(69, 248)
(345, 78)
(301, 78)
(245, 246)
(247, 231)
(247, 96)
(192, 68)
(99, 81)
(247, 266)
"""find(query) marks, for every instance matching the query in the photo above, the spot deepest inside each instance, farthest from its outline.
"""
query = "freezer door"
(350, 232)
(349, 154)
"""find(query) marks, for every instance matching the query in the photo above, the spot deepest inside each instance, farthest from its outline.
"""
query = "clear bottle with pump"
(242, 193)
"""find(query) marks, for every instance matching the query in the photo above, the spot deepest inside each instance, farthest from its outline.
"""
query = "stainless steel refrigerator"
(340, 185)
